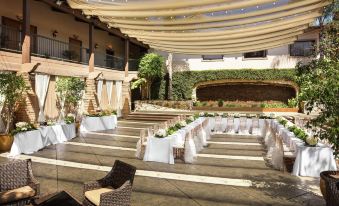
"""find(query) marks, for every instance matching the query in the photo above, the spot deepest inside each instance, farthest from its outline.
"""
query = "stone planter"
(6, 141)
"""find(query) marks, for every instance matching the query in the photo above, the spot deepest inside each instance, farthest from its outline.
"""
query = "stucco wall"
(276, 58)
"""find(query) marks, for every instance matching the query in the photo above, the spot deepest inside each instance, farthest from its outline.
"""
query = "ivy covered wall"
(184, 82)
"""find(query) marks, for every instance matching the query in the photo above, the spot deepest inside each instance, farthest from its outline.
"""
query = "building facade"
(49, 37)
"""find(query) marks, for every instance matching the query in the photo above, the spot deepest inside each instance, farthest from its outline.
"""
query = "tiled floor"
(230, 171)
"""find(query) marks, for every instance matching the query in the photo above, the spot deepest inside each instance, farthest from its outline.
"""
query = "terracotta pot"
(77, 127)
(6, 141)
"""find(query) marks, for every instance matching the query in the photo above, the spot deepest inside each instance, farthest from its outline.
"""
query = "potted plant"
(11, 87)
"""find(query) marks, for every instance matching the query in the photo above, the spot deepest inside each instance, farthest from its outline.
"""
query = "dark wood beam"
(26, 32)
(78, 14)
(91, 47)
(126, 57)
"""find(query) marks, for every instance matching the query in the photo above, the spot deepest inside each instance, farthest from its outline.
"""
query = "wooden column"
(26, 34)
(91, 47)
(126, 56)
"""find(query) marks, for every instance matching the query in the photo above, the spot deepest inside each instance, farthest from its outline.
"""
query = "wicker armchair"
(17, 183)
(331, 193)
(114, 189)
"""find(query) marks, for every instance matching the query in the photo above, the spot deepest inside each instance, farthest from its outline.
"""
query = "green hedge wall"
(183, 82)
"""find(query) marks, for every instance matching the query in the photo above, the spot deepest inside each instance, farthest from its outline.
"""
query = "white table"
(26, 143)
(161, 149)
(98, 123)
(311, 161)
(57, 133)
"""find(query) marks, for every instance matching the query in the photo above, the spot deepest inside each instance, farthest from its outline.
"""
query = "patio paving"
(232, 170)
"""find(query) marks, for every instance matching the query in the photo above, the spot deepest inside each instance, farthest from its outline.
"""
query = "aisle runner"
(144, 173)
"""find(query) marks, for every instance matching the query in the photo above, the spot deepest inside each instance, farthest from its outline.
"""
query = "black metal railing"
(108, 61)
(10, 38)
(54, 49)
(45, 47)
(133, 64)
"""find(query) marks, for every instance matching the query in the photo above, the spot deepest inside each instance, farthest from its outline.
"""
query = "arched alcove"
(243, 90)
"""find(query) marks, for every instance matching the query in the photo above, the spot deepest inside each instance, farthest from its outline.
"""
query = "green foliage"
(319, 84)
(220, 103)
(184, 82)
(70, 90)
(293, 103)
(151, 68)
(12, 87)
(27, 127)
(138, 83)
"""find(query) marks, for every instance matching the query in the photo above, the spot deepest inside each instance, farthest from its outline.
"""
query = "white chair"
(230, 125)
(242, 125)
(218, 124)
(142, 143)
(255, 126)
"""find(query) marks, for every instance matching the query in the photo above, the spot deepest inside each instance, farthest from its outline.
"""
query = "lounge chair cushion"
(16, 194)
(94, 195)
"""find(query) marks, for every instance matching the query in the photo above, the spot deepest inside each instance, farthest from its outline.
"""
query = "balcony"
(41, 46)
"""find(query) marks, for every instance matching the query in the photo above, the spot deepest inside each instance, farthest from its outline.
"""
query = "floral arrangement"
(70, 118)
(312, 141)
(101, 114)
(171, 130)
(190, 119)
(23, 127)
(224, 115)
(161, 133)
(202, 114)
(51, 122)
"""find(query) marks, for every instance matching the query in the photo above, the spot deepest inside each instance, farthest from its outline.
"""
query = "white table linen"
(26, 143)
(159, 150)
(310, 161)
(98, 123)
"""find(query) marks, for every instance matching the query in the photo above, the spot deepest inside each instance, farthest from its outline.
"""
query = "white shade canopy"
(207, 26)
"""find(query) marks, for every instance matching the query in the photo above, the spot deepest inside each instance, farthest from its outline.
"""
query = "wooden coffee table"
(57, 199)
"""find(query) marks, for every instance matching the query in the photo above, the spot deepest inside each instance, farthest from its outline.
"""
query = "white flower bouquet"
(312, 141)
(183, 123)
(70, 118)
(161, 133)
(23, 127)
(201, 114)
(50, 123)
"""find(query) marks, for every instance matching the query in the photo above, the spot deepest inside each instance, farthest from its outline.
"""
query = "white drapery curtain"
(99, 90)
(41, 87)
(2, 101)
(118, 86)
(109, 89)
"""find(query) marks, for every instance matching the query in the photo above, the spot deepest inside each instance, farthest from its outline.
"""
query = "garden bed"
(247, 109)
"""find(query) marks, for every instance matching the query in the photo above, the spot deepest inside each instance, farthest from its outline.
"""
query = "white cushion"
(94, 195)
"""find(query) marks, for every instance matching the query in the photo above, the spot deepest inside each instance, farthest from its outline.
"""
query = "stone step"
(234, 139)
(240, 152)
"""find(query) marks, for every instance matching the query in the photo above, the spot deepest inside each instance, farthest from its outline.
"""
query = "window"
(256, 54)
(302, 48)
(212, 57)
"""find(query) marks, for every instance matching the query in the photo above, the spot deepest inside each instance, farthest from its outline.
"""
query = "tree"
(151, 67)
(11, 87)
(69, 91)
(319, 85)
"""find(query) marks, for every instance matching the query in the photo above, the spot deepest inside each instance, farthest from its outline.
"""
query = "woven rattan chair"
(114, 189)
(331, 179)
(17, 183)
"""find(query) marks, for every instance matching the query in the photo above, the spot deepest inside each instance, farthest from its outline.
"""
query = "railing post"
(91, 47)
(126, 56)
(26, 33)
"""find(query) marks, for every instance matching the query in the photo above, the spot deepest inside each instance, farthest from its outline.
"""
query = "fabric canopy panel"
(99, 90)
(41, 87)
(2, 101)
(109, 89)
(211, 26)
